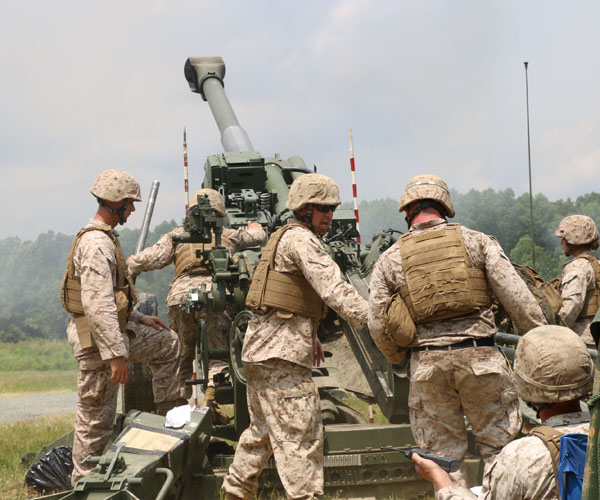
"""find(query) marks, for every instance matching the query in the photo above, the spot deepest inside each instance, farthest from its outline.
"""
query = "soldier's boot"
(218, 417)
(163, 407)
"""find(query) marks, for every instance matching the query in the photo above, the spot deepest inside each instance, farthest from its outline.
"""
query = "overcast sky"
(428, 86)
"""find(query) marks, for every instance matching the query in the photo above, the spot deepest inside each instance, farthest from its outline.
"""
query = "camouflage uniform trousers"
(186, 325)
(446, 385)
(97, 395)
(285, 421)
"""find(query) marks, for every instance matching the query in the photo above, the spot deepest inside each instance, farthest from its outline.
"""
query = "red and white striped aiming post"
(352, 167)
(186, 188)
(186, 191)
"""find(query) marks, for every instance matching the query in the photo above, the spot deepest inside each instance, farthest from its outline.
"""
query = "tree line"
(31, 271)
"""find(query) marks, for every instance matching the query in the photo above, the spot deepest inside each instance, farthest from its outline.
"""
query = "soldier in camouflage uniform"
(294, 281)
(445, 274)
(104, 331)
(190, 272)
(579, 284)
(553, 370)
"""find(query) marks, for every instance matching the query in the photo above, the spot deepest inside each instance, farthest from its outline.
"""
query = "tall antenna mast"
(529, 158)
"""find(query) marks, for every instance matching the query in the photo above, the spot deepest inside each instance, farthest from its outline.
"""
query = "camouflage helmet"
(116, 185)
(427, 187)
(577, 230)
(214, 197)
(552, 365)
(313, 188)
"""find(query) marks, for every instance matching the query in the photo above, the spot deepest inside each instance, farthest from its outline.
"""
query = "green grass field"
(36, 355)
(16, 383)
(36, 366)
(23, 437)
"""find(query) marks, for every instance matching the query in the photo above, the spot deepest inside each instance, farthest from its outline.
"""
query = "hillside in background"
(31, 271)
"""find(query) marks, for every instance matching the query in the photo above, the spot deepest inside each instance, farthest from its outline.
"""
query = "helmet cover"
(552, 365)
(577, 230)
(315, 189)
(214, 198)
(116, 185)
(427, 187)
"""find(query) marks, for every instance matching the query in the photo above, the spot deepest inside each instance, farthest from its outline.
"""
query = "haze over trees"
(31, 271)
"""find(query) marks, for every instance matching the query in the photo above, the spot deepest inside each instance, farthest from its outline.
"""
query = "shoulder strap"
(551, 438)
(70, 264)
(594, 263)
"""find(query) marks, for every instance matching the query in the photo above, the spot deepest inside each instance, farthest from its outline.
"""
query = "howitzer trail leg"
(285, 421)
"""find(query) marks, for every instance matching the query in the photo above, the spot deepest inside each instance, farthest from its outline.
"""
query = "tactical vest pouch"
(592, 298)
(70, 292)
(398, 321)
(70, 295)
(547, 294)
(83, 331)
(282, 291)
(292, 293)
(123, 305)
(440, 281)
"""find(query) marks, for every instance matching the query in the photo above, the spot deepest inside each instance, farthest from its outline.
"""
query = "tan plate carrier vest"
(282, 291)
(441, 282)
(186, 260)
(70, 290)
(592, 297)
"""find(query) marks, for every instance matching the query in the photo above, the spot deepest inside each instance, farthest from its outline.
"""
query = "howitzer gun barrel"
(147, 216)
(205, 77)
(512, 339)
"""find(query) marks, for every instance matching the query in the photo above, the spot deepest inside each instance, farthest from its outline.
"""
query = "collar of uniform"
(578, 417)
(428, 224)
(94, 222)
(298, 222)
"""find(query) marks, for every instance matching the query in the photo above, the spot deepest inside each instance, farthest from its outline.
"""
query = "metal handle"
(167, 484)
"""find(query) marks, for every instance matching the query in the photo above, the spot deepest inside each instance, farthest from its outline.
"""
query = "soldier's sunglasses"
(325, 208)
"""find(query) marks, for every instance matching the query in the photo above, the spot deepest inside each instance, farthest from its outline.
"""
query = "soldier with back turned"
(444, 276)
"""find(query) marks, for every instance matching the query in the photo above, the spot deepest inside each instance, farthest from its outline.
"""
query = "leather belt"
(484, 342)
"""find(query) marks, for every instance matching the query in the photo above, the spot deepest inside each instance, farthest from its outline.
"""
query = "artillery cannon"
(191, 462)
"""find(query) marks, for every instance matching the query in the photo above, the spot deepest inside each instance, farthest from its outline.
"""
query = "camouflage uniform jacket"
(578, 278)
(96, 265)
(523, 469)
(485, 253)
(163, 252)
(289, 336)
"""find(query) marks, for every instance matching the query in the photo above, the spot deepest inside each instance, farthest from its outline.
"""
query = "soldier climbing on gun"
(191, 272)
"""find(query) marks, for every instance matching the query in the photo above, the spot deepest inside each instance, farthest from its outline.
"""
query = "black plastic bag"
(52, 472)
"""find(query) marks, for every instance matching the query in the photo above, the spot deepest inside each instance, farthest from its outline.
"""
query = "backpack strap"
(551, 438)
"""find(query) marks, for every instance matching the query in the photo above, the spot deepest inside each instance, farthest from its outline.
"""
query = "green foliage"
(547, 263)
(30, 277)
(31, 271)
(38, 355)
(376, 216)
